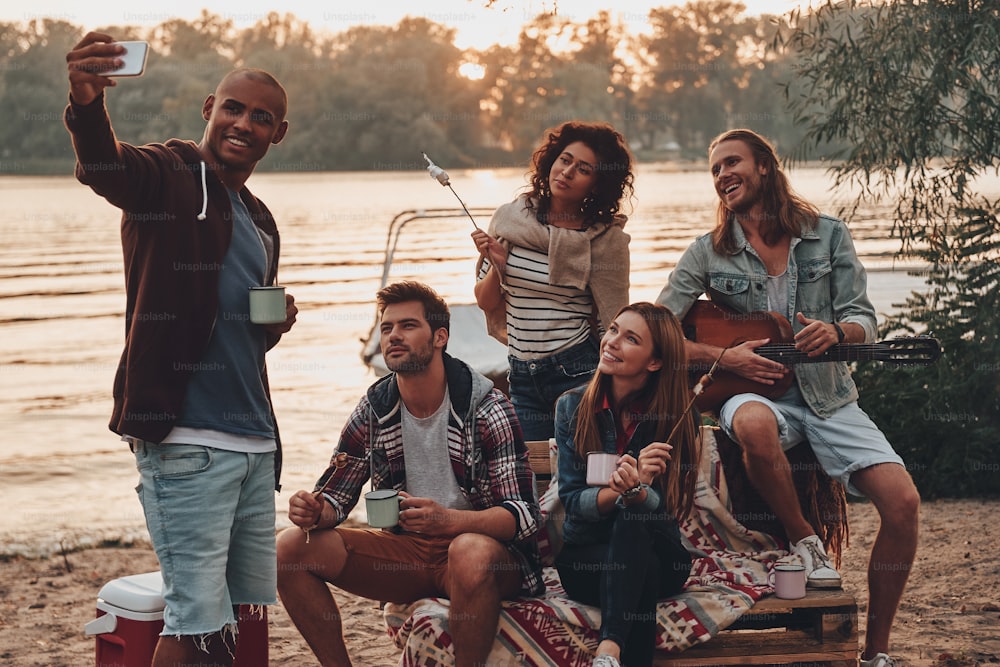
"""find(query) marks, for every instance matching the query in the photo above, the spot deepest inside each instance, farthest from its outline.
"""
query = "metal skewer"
(441, 176)
(696, 391)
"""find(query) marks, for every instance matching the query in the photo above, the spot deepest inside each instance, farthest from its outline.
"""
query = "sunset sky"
(476, 25)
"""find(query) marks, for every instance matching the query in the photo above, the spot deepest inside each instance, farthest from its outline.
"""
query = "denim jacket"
(583, 523)
(826, 281)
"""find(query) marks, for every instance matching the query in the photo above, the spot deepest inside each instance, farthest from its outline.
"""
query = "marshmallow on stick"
(441, 176)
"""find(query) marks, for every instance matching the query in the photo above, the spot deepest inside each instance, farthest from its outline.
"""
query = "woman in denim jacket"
(623, 549)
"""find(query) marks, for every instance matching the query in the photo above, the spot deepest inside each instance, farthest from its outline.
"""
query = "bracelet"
(624, 499)
(840, 332)
(313, 527)
(628, 494)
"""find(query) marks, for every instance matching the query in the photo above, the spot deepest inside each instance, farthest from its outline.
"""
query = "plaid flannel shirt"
(488, 456)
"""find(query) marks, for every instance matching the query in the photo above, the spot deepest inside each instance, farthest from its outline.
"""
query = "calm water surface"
(66, 480)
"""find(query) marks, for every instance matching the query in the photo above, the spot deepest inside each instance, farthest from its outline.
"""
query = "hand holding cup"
(382, 507)
(272, 308)
(626, 475)
(427, 517)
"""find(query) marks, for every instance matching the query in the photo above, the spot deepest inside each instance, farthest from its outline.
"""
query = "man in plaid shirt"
(441, 435)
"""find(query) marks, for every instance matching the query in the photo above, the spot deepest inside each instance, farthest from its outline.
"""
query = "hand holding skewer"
(339, 462)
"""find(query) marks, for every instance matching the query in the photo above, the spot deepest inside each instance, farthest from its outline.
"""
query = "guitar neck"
(787, 354)
(715, 325)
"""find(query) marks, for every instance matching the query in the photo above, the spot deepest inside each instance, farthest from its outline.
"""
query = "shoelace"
(818, 561)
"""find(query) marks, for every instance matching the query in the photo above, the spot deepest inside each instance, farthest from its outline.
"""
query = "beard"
(415, 361)
(751, 195)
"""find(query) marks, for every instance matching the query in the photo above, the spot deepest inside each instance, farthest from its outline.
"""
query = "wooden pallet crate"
(821, 628)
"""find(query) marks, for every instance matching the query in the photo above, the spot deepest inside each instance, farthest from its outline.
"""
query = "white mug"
(267, 305)
(600, 465)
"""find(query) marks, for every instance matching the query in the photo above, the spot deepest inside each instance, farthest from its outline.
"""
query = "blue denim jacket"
(826, 281)
(583, 523)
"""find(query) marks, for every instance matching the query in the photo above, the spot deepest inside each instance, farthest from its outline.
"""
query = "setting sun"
(472, 71)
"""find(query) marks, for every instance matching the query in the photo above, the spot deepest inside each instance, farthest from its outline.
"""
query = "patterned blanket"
(730, 573)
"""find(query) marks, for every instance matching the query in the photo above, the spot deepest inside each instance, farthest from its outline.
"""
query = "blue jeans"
(537, 383)
(210, 515)
(644, 562)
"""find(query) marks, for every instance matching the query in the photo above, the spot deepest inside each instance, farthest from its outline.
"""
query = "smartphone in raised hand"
(134, 59)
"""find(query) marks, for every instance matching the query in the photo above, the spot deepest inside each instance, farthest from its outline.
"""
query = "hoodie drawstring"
(204, 193)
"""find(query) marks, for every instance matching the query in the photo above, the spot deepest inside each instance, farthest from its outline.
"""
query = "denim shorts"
(536, 384)
(845, 442)
(210, 515)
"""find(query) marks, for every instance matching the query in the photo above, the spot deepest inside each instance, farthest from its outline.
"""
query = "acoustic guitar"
(713, 324)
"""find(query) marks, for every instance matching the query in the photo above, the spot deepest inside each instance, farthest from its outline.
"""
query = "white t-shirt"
(425, 455)
(777, 293)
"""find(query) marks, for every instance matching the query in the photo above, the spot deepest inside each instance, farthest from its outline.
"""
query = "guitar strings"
(898, 351)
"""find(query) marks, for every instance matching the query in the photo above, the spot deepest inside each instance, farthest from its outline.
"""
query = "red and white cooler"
(130, 619)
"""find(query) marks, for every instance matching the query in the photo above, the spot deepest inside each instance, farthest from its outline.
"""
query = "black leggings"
(644, 562)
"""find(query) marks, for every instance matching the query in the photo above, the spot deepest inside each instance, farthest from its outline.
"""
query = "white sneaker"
(605, 660)
(880, 660)
(820, 572)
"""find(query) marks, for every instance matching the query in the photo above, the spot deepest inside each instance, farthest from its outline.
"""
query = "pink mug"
(789, 581)
(600, 465)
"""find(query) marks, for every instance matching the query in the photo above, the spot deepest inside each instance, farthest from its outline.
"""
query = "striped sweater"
(561, 285)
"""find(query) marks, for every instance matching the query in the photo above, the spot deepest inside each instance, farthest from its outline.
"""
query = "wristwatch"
(624, 499)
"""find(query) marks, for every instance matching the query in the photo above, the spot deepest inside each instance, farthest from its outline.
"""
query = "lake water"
(66, 480)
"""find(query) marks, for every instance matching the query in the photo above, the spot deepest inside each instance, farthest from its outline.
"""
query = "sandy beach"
(950, 616)
(66, 481)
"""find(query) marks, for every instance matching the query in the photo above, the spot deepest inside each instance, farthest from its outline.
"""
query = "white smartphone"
(134, 57)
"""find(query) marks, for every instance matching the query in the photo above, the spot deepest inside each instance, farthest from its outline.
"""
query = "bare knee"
(475, 561)
(892, 491)
(756, 429)
(322, 556)
(290, 543)
(906, 504)
(289, 546)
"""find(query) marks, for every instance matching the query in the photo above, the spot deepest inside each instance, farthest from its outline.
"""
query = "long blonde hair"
(665, 396)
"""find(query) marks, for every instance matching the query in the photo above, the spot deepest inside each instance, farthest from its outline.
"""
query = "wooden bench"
(821, 628)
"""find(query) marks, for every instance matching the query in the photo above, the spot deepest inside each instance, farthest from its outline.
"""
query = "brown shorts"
(391, 567)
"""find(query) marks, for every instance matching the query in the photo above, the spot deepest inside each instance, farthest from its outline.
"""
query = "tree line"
(909, 91)
(373, 97)
(902, 96)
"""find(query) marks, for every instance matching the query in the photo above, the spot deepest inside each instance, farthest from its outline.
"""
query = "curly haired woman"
(554, 266)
